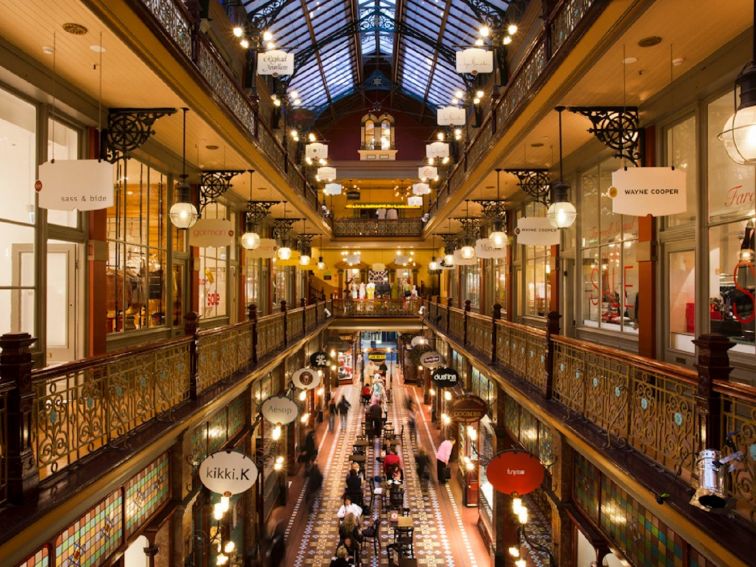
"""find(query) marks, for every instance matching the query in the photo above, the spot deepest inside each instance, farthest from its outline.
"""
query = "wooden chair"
(376, 489)
(405, 540)
(373, 532)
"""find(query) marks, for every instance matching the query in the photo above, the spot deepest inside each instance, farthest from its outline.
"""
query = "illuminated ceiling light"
(446, 160)
(276, 102)
(250, 239)
(244, 43)
(512, 29)
(238, 31)
(183, 214)
(229, 547)
(479, 94)
(459, 94)
(311, 136)
(484, 31)
(561, 213)
(467, 252)
(276, 433)
(478, 42)
(440, 136)
(304, 260)
(321, 263)
(267, 36)
(507, 40)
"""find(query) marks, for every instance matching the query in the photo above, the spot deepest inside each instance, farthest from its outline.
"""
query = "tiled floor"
(445, 531)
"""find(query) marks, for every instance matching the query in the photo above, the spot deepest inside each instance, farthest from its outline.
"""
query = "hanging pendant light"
(498, 238)
(304, 252)
(284, 252)
(433, 266)
(183, 214)
(561, 213)
(321, 263)
(739, 132)
(468, 250)
(250, 239)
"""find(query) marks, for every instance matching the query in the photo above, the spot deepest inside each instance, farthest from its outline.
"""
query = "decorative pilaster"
(713, 364)
(191, 320)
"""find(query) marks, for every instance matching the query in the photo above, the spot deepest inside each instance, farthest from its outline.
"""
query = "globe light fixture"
(467, 252)
(182, 213)
(304, 260)
(250, 239)
(284, 253)
(433, 266)
(498, 238)
(561, 213)
(321, 263)
(449, 260)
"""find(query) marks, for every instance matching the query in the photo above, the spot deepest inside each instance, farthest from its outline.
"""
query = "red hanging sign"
(515, 472)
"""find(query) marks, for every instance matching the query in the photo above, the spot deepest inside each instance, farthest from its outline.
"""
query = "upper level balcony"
(378, 228)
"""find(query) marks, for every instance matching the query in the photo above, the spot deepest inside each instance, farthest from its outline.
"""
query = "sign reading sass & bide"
(468, 409)
(306, 379)
(228, 472)
(515, 472)
(84, 185)
(445, 377)
(279, 409)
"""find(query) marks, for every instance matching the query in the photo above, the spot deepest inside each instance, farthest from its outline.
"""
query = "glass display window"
(682, 294)
(213, 282)
(500, 283)
(471, 284)
(252, 280)
(63, 144)
(682, 153)
(537, 269)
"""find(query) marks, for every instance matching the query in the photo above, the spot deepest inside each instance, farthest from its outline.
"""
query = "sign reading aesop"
(468, 409)
(279, 409)
(445, 377)
(228, 472)
(306, 379)
(430, 359)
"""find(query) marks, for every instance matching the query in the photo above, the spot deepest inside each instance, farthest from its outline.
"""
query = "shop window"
(682, 154)
(279, 285)
(252, 281)
(500, 283)
(536, 265)
(471, 284)
(63, 144)
(682, 293)
(214, 262)
(377, 132)
(137, 247)
(609, 269)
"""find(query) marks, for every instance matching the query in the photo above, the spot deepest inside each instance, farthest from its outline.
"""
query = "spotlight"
(512, 29)
(238, 31)
(507, 40)
(484, 31)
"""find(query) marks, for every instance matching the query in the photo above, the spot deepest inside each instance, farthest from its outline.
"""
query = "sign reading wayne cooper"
(641, 191)
(445, 377)
(228, 472)
(537, 231)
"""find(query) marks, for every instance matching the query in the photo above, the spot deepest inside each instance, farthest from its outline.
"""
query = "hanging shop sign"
(279, 409)
(437, 150)
(420, 189)
(484, 249)
(327, 174)
(267, 249)
(537, 231)
(474, 60)
(427, 172)
(275, 62)
(445, 377)
(401, 260)
(450, 116)
(316, 150)
(377, 355)
(459, 260)
(319, 359)
(228, 472)
(212, 233)
(82, 184)
(641, 191)
(415, 201)
(332, 189)
(431, 359)
(515, 472)
(306, 379)
(418, 340)
(468, 409)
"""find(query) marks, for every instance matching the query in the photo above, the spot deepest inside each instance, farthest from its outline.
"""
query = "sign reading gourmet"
(431, 359)
(537, 231)
(228, 472)
(279, 409)
(641, 191)
(468, 409)
(275, 62)
(319, 359)
(306, 379)
(515, 472)
(208, 233)
(445, 377)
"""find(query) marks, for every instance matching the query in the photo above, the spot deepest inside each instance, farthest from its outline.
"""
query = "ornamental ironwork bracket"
(450, 241)
(282, 228)
(258, 210)
(128, 129)
(470, 226)
(533, 182)
(493, 210)
(617, 127)
(214, 183)
(304, 242)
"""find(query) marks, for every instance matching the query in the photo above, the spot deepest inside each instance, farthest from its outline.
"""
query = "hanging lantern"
(183, 214)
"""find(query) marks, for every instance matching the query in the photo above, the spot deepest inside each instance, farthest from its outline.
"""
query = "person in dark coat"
(374, 416)
(354, 487)
(314, 484)
(344, 406)
(309, 450)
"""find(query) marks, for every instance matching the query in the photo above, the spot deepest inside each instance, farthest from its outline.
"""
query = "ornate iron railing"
(376, 307)
(222, 352)
(5, 390)
(378, 227)
(523, 350)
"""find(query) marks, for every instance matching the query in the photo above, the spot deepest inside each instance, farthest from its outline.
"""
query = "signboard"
(641, 191)
(431, 359)
(460, 261)
(515, 472)
(319, 359)
(401, 260)
(83, 184)
(228, 472)
(537, 231)
(484, 249)
(437, 150)
(332, 189)
(415, 201)
(468, 409)
(445, 377)
(420, 189)
(327, 174)
(427, 172)
(306, 379)
(418, 340)
(275, 62)
(450, 116)
(474, 60)
(267, 249)
(378, 267)
(316, 150)
(212, 233)
(279, 409)
(377, 355)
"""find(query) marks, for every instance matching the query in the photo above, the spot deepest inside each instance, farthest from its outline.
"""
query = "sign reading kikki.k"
(228, 472)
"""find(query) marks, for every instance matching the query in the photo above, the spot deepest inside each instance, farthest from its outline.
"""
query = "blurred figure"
(332, 415)
(422, 464)
(314, 485)
(344, 406)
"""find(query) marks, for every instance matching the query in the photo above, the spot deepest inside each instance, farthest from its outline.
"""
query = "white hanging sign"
(537, 231)
(431, 359)
(316, 150)
(83, 184)
(641, 191)
(279, 410)
(275, 62)
(484, 249)
(437, 150)
(415, 201)
(306, 379)
(267, 249)
(332, 189)
(427, 172)
(228, 472)
(474, 60)
(352, 259)
(450, 116)
(460, 261)
(420, 189)
(326, 173)
(212, 233)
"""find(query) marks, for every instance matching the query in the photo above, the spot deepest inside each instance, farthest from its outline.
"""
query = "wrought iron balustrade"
(378, 227)
(376, 307)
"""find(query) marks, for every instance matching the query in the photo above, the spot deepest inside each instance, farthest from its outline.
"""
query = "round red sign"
(515, 472)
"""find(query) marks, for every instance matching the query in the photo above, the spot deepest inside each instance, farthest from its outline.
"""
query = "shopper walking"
(332, 415)
(344, 406)
(442, 460)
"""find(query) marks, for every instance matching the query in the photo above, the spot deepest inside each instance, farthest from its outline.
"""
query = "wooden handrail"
(521, 327)
(737, 390)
